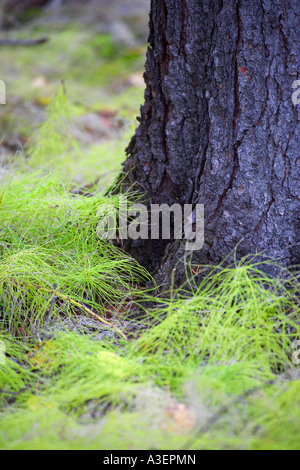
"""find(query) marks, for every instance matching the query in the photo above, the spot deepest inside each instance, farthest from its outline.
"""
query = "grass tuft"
(210, 371)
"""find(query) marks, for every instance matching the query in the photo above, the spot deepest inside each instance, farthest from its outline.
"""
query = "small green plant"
(50, 247)
(193, 391)
(208, 370)
(48, 244)
(53, 139)
(237, 313)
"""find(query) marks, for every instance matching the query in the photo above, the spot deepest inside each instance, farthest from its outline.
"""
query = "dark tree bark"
(219, 127)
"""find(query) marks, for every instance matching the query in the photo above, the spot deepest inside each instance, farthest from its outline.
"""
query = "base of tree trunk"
(219, 128)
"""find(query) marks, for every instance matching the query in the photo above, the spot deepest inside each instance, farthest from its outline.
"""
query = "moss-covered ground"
(84, 363)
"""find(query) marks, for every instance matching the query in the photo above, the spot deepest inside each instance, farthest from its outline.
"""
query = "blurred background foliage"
(98, 49)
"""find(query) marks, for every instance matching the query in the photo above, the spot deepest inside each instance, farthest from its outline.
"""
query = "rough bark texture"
(219, 126)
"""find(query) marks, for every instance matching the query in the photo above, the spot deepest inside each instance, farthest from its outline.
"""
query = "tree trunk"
(219, 127)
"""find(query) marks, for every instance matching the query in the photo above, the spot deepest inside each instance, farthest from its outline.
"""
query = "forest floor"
(84, 364)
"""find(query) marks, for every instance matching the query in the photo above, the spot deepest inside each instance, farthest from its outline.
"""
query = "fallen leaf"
(179, 418)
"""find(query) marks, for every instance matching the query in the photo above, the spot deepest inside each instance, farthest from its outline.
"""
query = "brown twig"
(23, 42)
(78, 304)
